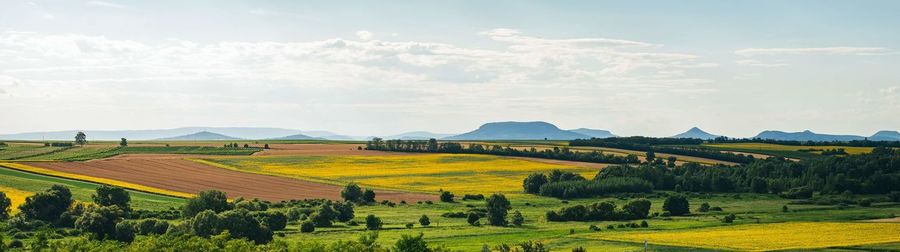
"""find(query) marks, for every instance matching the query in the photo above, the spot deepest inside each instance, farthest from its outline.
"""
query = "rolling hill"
(297, 137)
(886, 135)
(202, 135)
(518, 131)
(595, 133)
(418, 135)
(806, 135)
(696, 133)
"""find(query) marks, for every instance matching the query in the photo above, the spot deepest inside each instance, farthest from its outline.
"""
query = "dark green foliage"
(652, 145)
(152, 227)
(472, 218)
(533, 182)
(590, 188)
(250, 205)
(424, 221)
(530, 246)
(206, 224)
(677, 205)
(344, 211)
(206, 200)
(100, 222)
(112, 196)
(48, 205)
(453, 147)
(517, 219)
(368, 196)
(240, 224)
(802, 192)
(307, 227)
(784, 208)
(729, 218)
(497, 207)
(352, 192)
(123, 142)
(865, 202)
(80, 138)
(446, 196)
(273, 220)
(602, 211)
(704, 207)
(324, 215)
(373, 223)
(124, 231)
(644, 224)
(5, 204)
(473, 197)
(408, 243)
(266, 146)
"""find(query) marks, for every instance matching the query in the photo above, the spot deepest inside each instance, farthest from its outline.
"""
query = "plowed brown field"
(171, 172)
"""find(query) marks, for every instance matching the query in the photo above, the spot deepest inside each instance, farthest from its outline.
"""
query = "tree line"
(663, 145)
(432, 145)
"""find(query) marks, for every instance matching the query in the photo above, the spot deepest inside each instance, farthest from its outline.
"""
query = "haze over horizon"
(652, 68)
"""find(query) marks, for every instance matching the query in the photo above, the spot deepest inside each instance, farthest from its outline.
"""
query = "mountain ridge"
(511, 130)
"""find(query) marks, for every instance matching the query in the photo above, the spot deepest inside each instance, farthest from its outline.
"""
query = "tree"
(274, 220)
(344, 211)
(124, 232)
(307, 227)
(517, 219)
(324, 215)
(472, 218)
(408, 243)
(205, 224)
(368, 196)
(80, 138)
(534, 182)
(48, 205)
(637, 209)
(446, 196)
(112, 196)
(424, 221)
(729, 218)
(497, 207)
(123, 142)
(352, 193)
(650, 156)
(100, 222)
(241, 224)
(671, 161)
(373, 223)
(266, 146)
(206, 200)
(704, 207)
(677, 205)
(5, 204)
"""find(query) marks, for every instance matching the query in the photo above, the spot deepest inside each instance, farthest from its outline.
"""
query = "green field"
(33, 152)
(81, 191)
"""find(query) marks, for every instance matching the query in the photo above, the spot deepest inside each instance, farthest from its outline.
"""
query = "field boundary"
(89, 179)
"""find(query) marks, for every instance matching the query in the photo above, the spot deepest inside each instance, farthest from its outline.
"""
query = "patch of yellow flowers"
(458, 173)
(16, 196)
(763, 237)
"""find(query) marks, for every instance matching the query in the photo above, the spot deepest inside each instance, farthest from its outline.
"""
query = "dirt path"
(171, 172)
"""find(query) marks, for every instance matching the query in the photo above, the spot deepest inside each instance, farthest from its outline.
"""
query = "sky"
(652, 68)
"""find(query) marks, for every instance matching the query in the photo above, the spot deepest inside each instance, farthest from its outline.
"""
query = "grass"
(19, 151)
(776, 236)
(81, 191)
(789, 151)
(33, 152)
(131, 186)
(458, 173)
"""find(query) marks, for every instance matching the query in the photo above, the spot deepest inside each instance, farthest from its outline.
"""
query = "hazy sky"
(378, 67)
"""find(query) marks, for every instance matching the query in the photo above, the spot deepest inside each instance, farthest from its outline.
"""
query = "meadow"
(788, 151)
(419, 173)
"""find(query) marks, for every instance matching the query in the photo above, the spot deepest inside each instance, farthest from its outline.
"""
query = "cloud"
(261, 12)
(364, 35)
(750, 52)
(107, 5)
(758, 63)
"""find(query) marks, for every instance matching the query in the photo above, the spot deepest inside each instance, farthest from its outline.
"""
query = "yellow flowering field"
(458, 173)
(136, 187)
(763, 237)
(779, 147)
(16, 196)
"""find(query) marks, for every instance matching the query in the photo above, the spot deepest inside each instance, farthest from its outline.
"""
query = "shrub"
(602, 211)
(125, 231)
(446, 196)
(590, 188)
(517, 219)
(644, 223)
(784, 208)
(373, 223)
(497, 206)
(802, 192)
(273, 220)
(533, 182)
(307, 227)
(409, 225)
(344, 211)
(424, 221)
(5, 204)
(716, 209)
(865, 202)
(206, 224)
(352, 192)
(240, 224)
(677, 205)
(472, 218)
(704, 207)
(408, 243)
(637, 209)
(206, 200)
(729, 218)
(48, 205)
(100, 222)
(112, 196)
(473, 197)
(369, 196)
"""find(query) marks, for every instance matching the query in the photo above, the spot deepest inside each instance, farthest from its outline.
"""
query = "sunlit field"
(136, 187)
(778, 147)
(423, 173)
(778, 236)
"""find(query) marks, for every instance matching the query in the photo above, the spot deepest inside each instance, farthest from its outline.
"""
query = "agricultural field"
(429, 173)
(789, 151)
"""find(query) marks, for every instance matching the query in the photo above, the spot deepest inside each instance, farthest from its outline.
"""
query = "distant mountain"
(330, 135)
(202, 135)
(418, 135)
(595, 133)
(239, 132)
(518, 131)
(806, 135)
(696, 133)
(886, 135)
(297, 137)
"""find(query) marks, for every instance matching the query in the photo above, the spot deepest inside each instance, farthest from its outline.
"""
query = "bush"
(424, 221)
(410, 225)
(48, 205)
(472, 218)
(344, 211)
(373, 223)
(241, 225)
(473, 197)
(100, 222)
(352, 192)
(802, 192)
(677, 205)
(408, 243)
(729, 218)
(637, 209)
(704, 207)
(533, 182)
(206, 200)
(112, 196)
(497, 207)
(517, 219)
(5, 204)
(602, 211)
(369, 196)
(307, 227)
(644, 223)
(125, 232)
(446, 196)
(206, 224)
(590, 188)
(273, 220)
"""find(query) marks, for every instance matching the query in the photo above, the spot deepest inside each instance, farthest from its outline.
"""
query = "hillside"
(806, 135)
(595, 133)
(297, 137)
(518, 131)
(202, 135)
(696, 133)
(885, 135)
(418, 135)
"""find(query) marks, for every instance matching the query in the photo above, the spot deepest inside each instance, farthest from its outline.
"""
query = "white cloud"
(364, 35)
(758, 63)
(845, 50)
(108, 5)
